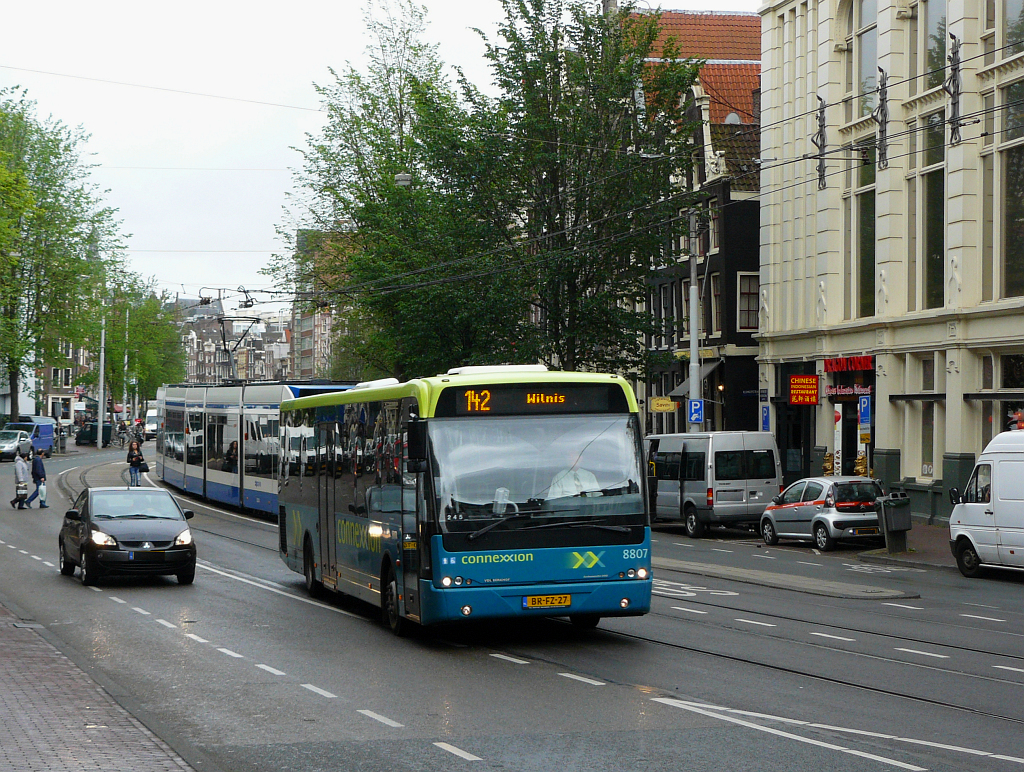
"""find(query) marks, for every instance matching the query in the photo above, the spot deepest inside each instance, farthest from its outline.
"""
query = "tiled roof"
(730, 88)
(741, 145)
(712, 34)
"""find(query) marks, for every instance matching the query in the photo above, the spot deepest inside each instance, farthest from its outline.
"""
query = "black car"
(127, 531)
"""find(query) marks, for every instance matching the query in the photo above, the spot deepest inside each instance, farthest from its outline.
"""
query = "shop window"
(928, 375)
(987, 373)
(1013, 371)
(927, 438)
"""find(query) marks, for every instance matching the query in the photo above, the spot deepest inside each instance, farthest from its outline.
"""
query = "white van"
(712, 478)
(986, 526)
(152, 423)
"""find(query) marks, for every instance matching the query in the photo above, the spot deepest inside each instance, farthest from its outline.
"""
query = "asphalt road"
(243, 671)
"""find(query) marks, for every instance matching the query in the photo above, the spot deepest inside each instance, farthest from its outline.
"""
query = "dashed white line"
(458, 752)
(23, 552)
(2, 541)
(11, 546)
(319, 691)
(815, 550)
(981, 605)
(97, 589)
(48, 563)
(753, 622)
(271, 670)
(165, 623)
(36, 557)
(510, 659)
(140, 610)
(116, 599)
(230, 653)
(575, 677)
(691, 610)
(759, 555)
(682, 544)
(716, 549)
(196, 638)
(1007, 667)
(834, 637)
(904, 605)
(922, 653)
(805, 563)
(987, 619)
(291, 595)
(379, 717)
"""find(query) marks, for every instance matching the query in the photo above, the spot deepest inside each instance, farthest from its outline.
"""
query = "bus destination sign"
(531, 398)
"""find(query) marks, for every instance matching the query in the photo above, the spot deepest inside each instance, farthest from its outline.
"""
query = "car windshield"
(857, 492)
(554, 467)
(155, 504)
(7, 436)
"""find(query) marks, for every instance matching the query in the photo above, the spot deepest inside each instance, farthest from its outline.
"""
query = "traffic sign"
(766, 421)
(696, 411)
(864, 410)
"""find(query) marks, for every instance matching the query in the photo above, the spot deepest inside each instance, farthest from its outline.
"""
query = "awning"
(682, 391)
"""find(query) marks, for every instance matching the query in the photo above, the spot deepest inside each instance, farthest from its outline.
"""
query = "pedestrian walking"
(21, 475)
(39, 478)
(135, 460)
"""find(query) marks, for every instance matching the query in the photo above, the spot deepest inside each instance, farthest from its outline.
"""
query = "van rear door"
(729, 476)
(763, 481)
(1009, 512)
(666, 468)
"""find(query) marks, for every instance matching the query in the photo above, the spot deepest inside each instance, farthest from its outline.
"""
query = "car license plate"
(131, 556)
(865, 531)
(546, 601)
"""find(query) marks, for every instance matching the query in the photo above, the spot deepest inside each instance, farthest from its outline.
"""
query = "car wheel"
(822, 539)
(90, 574)
(313, 587)
(67, 568)
(187, 577)
(967, 559)
(694, 527)
(584, 621)
(768, 532)
(389, 604)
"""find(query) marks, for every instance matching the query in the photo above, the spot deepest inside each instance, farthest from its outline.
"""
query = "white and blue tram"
(223, 442)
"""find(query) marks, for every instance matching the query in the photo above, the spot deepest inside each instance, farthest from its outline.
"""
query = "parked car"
(13, 442)
(712, 478)
(127, 531)
(824, 510)
(40, 430)
(986, 526)
(87, 434)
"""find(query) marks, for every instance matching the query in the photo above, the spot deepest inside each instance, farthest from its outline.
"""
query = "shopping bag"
(42, 493)
(21, 491)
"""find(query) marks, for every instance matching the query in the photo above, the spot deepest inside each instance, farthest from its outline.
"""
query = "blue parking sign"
(766, 420)
(864, 410)
(696, 411)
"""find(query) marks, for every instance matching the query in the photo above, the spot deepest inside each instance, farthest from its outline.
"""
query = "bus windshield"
(540, 468)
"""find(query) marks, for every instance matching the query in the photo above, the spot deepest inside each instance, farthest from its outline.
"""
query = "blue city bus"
(222, 442)
(487, 492)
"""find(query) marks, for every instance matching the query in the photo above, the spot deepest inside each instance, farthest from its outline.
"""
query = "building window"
(933, 23)
(928, 374)
(749, 287)
(1012, 162)
(716, 303)
(926, 204)
(684, 309)
(861, 57)
(927, 438)
(866, 252)
(1013, 28)
(1012, 366)
(713, 225)
(987, 373)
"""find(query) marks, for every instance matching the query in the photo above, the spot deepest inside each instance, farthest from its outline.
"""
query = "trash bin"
(894, 517)
(62, 443)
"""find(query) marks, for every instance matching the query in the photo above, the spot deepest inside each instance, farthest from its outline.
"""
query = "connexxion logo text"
(507, 557)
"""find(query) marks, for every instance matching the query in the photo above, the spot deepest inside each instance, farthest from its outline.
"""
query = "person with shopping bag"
(21, 473)
(135, 463)
(39, 478)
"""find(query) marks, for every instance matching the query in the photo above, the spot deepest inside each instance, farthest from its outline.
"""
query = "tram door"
(325, 457)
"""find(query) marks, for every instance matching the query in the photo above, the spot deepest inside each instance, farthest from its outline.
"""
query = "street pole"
(694, 359)
(124, 385)
(102, 403)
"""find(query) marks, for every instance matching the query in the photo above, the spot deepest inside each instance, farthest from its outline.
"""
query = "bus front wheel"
(389, 603)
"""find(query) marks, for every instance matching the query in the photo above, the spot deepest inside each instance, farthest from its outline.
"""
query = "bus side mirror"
(416, 437)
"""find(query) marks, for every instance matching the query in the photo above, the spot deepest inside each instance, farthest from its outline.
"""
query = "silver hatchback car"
(823, 510)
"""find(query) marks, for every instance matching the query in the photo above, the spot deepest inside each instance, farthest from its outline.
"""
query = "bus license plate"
(546, 601)
(865, 531)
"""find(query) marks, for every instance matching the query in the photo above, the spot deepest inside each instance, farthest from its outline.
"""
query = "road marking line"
(715, 549)
(140, 610)
(682, 544)
(165, 623)
(319, 691)
(922, 653)
(196, 638)
(36, 557)
(691, 610)
(97, 589)
(981, 605)
(574, 677)
(293, 596)
(904, 605)
(834, 637)
(944, 747)
(654, 541)
(766, 557)
(510, 659)
(117, 599)
(987, 619)
(271, 670)
(379, 717)
(458, 752)
(11, 546)
(1017, 759)
(815, 550)
(23, 552)
(863, 732)
(788, 735)
(1007, 667)
(805, 563)
(752, 622)
(48, 563)
(2, 541)
(230, 653)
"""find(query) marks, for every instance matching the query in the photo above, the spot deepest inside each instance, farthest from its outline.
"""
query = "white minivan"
(986, 527)
(712, 478)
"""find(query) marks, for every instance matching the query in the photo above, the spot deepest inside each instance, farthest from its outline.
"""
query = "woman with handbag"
(135, 461)
(21, 475)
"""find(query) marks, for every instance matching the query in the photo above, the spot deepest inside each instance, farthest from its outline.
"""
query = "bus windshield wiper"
(578, 524)
(491, 526)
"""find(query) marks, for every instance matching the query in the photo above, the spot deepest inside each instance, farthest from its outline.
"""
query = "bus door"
(412, 514)
(325, 486)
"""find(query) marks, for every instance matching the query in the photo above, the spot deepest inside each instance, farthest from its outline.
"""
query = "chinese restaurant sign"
(803, 389)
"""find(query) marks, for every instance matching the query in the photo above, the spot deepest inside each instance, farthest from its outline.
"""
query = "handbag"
(21, 491)
(143, 467)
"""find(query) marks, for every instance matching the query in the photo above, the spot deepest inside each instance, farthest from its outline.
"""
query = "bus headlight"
(466, 611)
(446, 581)
(624, 603)
(641, 573)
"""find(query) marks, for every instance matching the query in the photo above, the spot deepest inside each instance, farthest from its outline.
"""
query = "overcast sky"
(200, 181)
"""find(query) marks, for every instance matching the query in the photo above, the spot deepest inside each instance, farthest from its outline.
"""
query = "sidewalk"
(54, 717)
(928, 547)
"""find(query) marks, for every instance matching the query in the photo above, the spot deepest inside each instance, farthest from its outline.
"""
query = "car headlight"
(185, 537)
(101, 539)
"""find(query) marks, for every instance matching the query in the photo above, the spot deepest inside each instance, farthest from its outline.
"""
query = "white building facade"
(894, 271)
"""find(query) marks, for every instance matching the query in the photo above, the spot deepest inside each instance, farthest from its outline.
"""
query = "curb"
(882, 558)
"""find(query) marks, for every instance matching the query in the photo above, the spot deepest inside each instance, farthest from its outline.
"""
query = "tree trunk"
(12, 377)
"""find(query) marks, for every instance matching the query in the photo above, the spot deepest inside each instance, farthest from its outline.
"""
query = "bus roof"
(428, 390)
